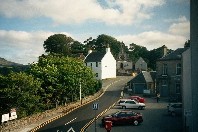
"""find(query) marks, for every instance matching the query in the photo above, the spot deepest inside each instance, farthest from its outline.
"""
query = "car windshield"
(136, 101)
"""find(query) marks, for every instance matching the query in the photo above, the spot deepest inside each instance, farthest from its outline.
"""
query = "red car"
(123, 117)
(138, 98)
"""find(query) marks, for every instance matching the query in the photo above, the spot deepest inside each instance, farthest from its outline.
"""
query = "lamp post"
(80, 92)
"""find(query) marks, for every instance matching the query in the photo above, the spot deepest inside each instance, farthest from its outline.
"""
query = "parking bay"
(155, 116)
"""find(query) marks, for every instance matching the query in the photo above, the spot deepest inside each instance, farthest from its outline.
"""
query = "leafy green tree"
(101, 42)
(137, 51)
(62, 77)
(77, 47)
(58, 43)
(20, 91)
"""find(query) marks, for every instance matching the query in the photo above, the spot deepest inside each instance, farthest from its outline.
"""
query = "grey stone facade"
(169, 78)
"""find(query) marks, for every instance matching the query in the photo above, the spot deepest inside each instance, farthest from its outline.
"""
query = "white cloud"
(122, 12)
(180, 27)
(178, 33)
(23, 47)
(154, 39)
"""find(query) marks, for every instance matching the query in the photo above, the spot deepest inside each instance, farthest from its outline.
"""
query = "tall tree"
(58, 43)
(20, 91)
(61, 78)
(101, 42)
(137, 51)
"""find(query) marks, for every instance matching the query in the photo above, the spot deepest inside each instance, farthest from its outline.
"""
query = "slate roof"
(175, 55)
(144, 77)
(147, 76)
(95, 57)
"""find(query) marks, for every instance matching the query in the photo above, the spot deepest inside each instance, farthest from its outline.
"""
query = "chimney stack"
(164, 50)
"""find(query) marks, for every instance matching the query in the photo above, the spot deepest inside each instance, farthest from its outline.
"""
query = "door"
(139, 88)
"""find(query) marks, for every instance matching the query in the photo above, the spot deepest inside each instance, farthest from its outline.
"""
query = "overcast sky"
(26, 24)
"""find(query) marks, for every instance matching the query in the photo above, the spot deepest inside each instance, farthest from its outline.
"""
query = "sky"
(26, 24)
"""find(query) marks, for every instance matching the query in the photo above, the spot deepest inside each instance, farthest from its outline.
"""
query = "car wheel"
(135, 122)
(140, 107)
(123, 107)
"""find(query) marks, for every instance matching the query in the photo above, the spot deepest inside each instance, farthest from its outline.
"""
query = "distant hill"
(4, 62)
(7, 66)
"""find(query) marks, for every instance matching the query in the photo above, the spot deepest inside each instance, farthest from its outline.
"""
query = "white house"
(141, 65)
(102, 64)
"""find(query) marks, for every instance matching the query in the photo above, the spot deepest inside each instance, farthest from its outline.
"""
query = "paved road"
(76, 120)
(156, 119)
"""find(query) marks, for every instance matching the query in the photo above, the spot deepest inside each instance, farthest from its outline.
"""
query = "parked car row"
(127, 116)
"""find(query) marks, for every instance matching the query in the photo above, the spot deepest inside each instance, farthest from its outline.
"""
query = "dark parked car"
(124, 117)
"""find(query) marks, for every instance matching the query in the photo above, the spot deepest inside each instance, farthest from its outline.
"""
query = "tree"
(77, 47)
(187, 44)
(58, 43)
(20, 91)
(101, 42)
(137, 51)
(61, 77)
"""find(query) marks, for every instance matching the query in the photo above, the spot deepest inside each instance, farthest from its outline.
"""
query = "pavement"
(55, 113)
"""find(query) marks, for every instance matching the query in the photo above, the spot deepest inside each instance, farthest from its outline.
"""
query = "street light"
(80, 93)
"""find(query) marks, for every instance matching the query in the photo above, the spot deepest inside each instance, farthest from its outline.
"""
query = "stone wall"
(15, 125)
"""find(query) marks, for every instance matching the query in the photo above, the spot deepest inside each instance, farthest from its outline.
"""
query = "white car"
(128, 103)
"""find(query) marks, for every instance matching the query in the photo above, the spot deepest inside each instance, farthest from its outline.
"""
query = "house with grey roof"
(140, 65)
(144, 81)
(103, 64)
(169, 68)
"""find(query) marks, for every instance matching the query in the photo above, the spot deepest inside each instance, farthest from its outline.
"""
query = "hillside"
(7, 66)
(4, 62)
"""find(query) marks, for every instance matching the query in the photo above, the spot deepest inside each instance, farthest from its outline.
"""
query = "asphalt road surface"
(77, 119)
(155, 116)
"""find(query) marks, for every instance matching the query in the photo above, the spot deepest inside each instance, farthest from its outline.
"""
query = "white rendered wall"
(108, 66)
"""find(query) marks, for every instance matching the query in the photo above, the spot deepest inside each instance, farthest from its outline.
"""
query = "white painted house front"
(102, 64)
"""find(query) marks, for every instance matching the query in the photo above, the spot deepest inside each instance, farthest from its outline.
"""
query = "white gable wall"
(108, 64)
(96, 70)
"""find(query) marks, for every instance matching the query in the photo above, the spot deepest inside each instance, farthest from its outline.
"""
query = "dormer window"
(178, 69)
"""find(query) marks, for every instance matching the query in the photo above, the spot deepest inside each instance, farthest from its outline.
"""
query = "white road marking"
(71, 130)
(71, 121)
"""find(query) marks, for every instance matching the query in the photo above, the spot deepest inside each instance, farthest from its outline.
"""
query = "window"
(165, 69)
(96, 74)
(178, 87)
(96, 64)
(178, 69)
